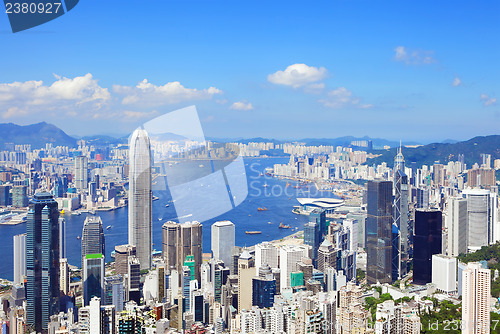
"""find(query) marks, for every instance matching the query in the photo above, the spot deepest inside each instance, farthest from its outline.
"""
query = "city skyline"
(391, 65)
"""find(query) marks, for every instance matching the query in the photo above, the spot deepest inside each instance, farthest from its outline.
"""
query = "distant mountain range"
(444, 152)
(37, 135)
(41, 133)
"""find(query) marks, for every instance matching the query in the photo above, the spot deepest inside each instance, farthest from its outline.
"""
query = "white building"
(482, 207)
(19, 258)
(223, 240)
(266, 253)
(456, 223)
(289, 256)
(140, 197)
(444, 273)
(476, 294)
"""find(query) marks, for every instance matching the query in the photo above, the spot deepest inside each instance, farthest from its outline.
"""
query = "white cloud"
(34, 96)
(488, 101)
(146, 93)
(342, 97)
(414, 57)
(241, 105)
(298, 75)
(456, 82)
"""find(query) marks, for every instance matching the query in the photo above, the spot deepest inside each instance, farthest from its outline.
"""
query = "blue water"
(276, 197)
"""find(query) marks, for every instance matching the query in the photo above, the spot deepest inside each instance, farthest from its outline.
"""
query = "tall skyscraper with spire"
(400, 217)
(140, 197)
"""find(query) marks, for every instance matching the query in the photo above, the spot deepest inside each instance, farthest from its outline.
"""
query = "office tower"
(223, 239)
(395, 257)
(19, 258)
(422, 198)
(427, 241)
(327, 256)
(483, 227)
(353, 227)
(289, 256)
(400, 214)
(113, 291)
(219, 277)
(235, 255)
(62, 238)
(456, 222)
(134, 279)
(92, 236)
(266, 253)
(185, 287)
(42, 261)
(312, 237)
(439, 175)
(379, 231)
(4, 195)
(64, 275)
(476, 289)
(318, 216)
(93, 277)
(122, 252)
(81, 173)
(181, 240)
(20, 196)
(246, 271)
(140, 197)
(444, 273)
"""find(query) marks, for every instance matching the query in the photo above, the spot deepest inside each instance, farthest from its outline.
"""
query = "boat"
(281, 225)
(269, 223)
(262, 209)
(253, 232)
(76, 213)
(265, 185)
(160, 218)
(167, 205)
(201, 166)
(108, 227)
(78, 237)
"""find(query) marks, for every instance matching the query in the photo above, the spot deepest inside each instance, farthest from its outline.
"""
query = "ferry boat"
(262, 209)
(108, 227)
(253, 232)
(281, 225)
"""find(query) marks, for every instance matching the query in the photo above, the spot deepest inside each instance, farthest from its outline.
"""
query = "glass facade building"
(42, 261)
(379, 231)
(427, 242)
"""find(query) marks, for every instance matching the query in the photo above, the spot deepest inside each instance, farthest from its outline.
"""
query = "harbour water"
(263, 192)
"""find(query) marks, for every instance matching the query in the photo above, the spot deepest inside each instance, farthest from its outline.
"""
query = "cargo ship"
(281, 225)
(253, 232)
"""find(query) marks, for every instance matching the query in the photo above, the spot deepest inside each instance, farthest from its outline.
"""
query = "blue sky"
(411, 70)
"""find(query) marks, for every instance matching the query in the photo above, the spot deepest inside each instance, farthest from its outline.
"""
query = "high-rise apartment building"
(140, 197)
(379, 231)
(427, 242)
(223, 239)
(181, 240)
(476, 294)
(266, 253)
(289, 256)
(42, 261)
(81, 173)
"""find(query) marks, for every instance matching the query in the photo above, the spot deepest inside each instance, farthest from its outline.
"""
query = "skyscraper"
(20, 196)
(379, 231)
(223, 239)
(92, 237)
(42, 261)
(483, 227)
(181, 240)
(140, 197)
(289, 256)
(122, 252)
(400, 214)
(246, 271)
(312, 237)
(81, 173)
(266, 253)
(93, 277)
(427, 242)
(476, 294)
(456, 222)
(62, 238)
(19, 258)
